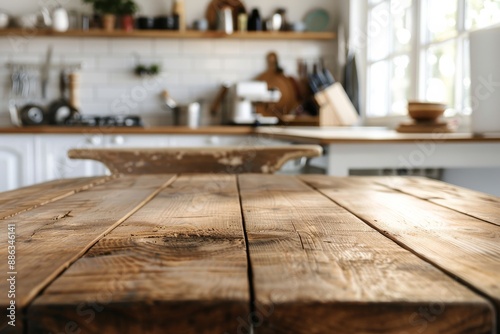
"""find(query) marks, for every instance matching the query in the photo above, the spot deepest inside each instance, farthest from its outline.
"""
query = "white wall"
(192, 69)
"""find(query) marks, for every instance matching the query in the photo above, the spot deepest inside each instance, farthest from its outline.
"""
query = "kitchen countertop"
(313, 135)
(335, 135)
(206, 130)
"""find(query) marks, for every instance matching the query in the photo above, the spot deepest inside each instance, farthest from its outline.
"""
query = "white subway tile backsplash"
(166, 46)
(93, 78)
(179, 93)
(197, 47)
(86, 94)
(131, 46)
(262, 48)
(110, 63)
(207, 64)
(113, 92)
(226, 77)
(96, 46)
(190, 69)
(87, 62)
(237, 64)
(59, 46)
(125, 77)
(94, 108)
(177, 64)
(169, 78)
(194, 78)
(227, 47)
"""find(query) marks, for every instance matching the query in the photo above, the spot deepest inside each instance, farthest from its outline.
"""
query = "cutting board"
(276, 79)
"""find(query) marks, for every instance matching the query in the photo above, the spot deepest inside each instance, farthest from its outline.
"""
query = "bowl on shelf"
(425, 111)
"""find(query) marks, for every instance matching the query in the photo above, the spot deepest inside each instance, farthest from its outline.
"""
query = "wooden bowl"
(426, 111)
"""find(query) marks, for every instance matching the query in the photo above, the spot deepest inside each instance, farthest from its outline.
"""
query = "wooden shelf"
(190, 34)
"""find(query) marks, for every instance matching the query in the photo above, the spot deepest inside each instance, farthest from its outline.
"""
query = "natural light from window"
(419, 50)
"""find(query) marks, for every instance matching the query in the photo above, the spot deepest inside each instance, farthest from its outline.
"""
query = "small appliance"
(244, 97)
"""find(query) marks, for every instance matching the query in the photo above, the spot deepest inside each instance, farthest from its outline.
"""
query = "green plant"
(128, 7)
(105, 6)
(142, 70)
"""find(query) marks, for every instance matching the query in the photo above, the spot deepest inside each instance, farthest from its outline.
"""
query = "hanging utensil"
(46, 72)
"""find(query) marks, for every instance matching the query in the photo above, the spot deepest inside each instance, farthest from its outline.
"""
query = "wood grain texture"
(470, 202)
(20, 200)
(463, 246)
(228, 160)
(50, 238)
(319, 269)
(176, 266)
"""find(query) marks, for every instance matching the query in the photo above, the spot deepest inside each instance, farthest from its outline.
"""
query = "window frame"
(418, 53)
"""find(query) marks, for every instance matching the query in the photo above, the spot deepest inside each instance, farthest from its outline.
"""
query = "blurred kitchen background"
(191, 69)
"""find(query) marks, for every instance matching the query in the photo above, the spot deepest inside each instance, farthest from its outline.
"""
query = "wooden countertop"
(210, 130)
(203, 253)
(308, 135)
(364, 135)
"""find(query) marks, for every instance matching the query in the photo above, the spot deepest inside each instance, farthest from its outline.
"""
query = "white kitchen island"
(376, 148)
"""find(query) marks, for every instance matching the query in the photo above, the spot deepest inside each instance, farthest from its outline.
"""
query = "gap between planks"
(366, 182)
(63, 189)
(250, 276)
(482, 206)
(84, 250)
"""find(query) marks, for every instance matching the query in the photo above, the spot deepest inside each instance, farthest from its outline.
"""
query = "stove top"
(115, 120)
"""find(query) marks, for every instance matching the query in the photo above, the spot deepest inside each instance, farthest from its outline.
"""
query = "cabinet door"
(16, 161)
(132, 141)
(52, 156)
(210, 140)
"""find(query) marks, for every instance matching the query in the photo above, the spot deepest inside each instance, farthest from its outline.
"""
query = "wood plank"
(23, 199)
(319, 269)
(177, 266)
(229, 160)
(469, 202)
(190, 34)
(463, 246)
(50, 238)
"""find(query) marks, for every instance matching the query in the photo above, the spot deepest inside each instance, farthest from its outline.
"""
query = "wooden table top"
(214, 253)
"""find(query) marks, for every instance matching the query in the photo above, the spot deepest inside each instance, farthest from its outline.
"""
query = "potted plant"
(108, 9)
(127, 10)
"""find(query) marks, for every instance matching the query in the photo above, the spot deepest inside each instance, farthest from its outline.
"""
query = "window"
(418, 49)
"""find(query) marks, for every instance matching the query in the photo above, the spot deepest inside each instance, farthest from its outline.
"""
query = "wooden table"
(217, 253)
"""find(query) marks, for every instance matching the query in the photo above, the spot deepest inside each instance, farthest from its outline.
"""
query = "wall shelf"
(190, 34)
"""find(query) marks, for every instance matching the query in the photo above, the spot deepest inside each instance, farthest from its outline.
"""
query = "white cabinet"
(16, 162)
(52, 156)
(127, 141)
(26, 159)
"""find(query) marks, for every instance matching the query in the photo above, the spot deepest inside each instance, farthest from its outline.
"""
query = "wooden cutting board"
(276, 79)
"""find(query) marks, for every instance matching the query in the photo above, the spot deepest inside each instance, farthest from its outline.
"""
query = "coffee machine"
(244, 96)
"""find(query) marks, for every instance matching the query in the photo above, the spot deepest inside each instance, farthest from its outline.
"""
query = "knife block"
(336, 109)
